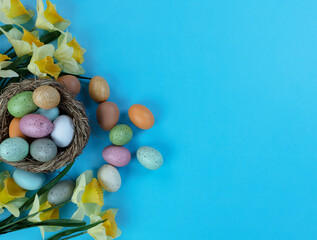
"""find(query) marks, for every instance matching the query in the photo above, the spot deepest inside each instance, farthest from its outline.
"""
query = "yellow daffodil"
(106, 230)
(3, 64)
(40, 204)
(42, 62)
(49, 19)
(13, 12)
(87, 195)
(23, 42)
(12, 196)
(70, 54)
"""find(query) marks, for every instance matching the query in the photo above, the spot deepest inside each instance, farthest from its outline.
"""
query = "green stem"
(6, 52)
(75, 235)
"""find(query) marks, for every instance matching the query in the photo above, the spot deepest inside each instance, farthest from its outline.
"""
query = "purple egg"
(117, 156)
(36, 126)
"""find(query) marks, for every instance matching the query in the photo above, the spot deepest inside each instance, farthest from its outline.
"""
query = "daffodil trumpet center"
(30, 38)
(51, 14)
(4, 57)
(47, 65)
(11, 191)
(93, 193)
(17, 9)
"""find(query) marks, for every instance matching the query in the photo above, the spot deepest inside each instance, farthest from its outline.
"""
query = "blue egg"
(51, 114)
(29, 180)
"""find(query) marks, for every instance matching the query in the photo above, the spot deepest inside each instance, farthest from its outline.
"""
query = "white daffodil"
(40, 204)
(23, 42)
(106, 230)
(42, 62)
(13, 12)
(12, 197)
(49, 19)
(4, 64)
(69, 54)
(87, 195)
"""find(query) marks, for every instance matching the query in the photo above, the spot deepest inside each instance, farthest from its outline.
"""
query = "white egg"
(109, 178)
(64, 131)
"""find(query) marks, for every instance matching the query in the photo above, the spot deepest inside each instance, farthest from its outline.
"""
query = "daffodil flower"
(40, 204)
(106, 230)
(3, 64)
(42, 62)
(12, 197)
(70, 54)
(49, 19)
(23, 42)
(87, 195)
(13, 12)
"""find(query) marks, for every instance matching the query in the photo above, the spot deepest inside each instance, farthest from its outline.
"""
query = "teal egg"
(21, 104)
(14, 149)
(51, 114)
(120, 134)
(149, 157)
(43, 149)
(29, 180)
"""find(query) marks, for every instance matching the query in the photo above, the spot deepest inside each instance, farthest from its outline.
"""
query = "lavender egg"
(116, 155)
(36, 126)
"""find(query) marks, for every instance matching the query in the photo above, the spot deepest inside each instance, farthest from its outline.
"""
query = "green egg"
(120, 134)
(21, 104)
(14, 149)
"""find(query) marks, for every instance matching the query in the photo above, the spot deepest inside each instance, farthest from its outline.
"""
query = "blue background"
(232, 85)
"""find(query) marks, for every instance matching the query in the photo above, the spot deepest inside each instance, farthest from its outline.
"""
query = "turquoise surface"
(232, 85)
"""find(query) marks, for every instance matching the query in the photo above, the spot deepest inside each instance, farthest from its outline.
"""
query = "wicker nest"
(68, 105)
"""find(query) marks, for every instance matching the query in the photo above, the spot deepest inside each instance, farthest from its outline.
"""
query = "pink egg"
(36, 126)
(117, 156)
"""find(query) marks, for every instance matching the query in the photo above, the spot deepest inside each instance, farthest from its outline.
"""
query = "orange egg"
(141, 116)
(14, 129)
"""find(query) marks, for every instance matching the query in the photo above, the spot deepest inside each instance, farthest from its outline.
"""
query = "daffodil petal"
(17, 9)
(93, 193)
(3, 176)
(35, 208)
(13, 206)
(24, 18)
(14, 34)
(78, 53)
(51, 14)
(79, 214)
(30, 38)
(98, 232)
(81, 182)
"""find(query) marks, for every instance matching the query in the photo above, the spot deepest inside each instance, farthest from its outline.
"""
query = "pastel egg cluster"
(117, 155)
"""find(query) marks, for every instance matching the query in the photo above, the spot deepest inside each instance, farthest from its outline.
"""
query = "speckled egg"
(99, 89)
(149, 157)
(46, 97)
(117, 156)
(36, 126)
(109, 178)
(43, 149)
(29, 180)
(21, 104)
(14, 149)
(51, 114)
(61, 192)
(120, 134)
(64, 131)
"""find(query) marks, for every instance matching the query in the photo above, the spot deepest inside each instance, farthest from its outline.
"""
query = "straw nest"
(68, 105)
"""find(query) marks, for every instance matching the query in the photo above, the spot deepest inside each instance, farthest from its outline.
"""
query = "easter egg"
(141, 116)
(51, 114)
(71, 83)
(21, 104)
(14, 149)
(109, 178)
(117, 156)
(120, 134)
(64, 131)
(61, 192)
(46, 97)
(14, 129)
(43, 149)
(149, 157)
(107, 115)
(36, 126)
(99, 89)
(29, 180)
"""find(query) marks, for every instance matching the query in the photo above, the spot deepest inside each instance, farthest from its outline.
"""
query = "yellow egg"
(99, 89)
(46, 97)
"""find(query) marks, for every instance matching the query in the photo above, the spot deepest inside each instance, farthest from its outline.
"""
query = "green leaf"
(74, 230)
(61, 223)
(39, 193)
(50, 37)
(6, 28)
(17, 62)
